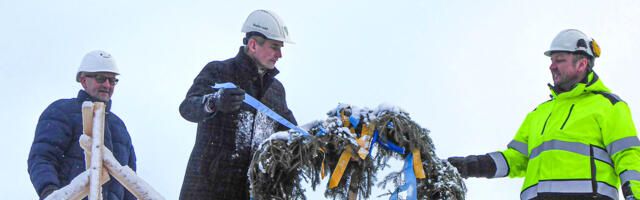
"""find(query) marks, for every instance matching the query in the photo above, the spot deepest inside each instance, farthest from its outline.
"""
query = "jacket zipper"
(545, 124)
(565, 121)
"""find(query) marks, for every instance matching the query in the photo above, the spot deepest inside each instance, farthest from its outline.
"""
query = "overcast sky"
(469, 71)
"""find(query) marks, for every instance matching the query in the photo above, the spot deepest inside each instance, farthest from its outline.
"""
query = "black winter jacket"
(225, 142)
(56, 156)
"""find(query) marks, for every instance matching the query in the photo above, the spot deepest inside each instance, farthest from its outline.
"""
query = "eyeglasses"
(101, 79)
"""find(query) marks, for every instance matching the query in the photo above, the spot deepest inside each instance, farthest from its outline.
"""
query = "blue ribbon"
(389, 145)
(385, 143)
(253, 102)
(373, 141)
(410, 181)
(354, 121)
(322, 130)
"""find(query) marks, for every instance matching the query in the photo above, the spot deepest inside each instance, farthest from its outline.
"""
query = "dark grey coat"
(220, 159)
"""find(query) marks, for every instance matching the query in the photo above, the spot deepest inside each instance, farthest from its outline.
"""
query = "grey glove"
(224, 100)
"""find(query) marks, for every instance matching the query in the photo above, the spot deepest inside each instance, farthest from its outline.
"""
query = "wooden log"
(124, 174)
(73, 190)
(85, 144)
(95, 170)
(87, 117)
(77, 189)
(128, 178)
(87, 128)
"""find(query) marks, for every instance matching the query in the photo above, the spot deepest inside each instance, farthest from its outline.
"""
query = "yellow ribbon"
(346, 122)
(345, 157)
(322, 164)
(340, 167)
(365, 140)
(417, 164)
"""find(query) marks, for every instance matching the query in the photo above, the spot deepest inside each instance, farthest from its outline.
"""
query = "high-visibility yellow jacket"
(581, 142)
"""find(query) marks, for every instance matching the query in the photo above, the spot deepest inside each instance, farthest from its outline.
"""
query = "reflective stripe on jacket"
(580, 142)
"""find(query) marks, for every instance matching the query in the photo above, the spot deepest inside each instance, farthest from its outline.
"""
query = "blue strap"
(390, 146)
(385, 143)
(253, 102)
(322, 130)
(410, 181)
(354, 121)
(373, 141)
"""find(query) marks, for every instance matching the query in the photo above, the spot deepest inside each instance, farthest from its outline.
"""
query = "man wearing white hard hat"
(56, 156)
(228, 130)
(580, 144)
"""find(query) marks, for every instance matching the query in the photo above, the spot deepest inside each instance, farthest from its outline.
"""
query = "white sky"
(467, 70)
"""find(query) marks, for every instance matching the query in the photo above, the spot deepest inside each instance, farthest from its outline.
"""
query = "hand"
(627, 192)
(459, 163)
(225, 100)
(48, 190)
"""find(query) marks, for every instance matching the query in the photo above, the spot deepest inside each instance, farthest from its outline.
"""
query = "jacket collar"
(591, 84)
(84, 96)
(249, 67)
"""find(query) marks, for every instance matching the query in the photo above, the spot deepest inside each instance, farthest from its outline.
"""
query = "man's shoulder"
(610, 97)
(220, 63)
(219, 66)
(276, 83)
(543, 104)
(65, 105)
(61, 110)
(113, 118)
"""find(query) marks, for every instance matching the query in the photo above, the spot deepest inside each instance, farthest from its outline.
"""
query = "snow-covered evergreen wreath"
(286, 158)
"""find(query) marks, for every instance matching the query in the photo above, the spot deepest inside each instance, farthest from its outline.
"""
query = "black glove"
(225, 100)
(474, 166)
(626, 192)
(48, 190)
(458, 163)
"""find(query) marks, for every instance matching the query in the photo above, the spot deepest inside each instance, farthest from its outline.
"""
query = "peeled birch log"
(95, 189)
(124, 174)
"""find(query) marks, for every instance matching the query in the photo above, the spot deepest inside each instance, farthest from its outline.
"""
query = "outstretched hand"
(459, 163)
(225, 100)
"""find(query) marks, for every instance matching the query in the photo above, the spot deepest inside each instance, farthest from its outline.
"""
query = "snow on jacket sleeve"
(53, 135)
(621, 139)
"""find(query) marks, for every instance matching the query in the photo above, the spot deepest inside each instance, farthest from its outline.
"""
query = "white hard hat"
(268, 24)
(97, 61)
(572, 40)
